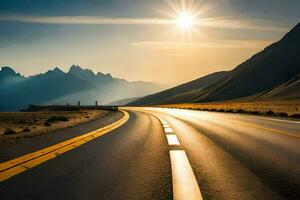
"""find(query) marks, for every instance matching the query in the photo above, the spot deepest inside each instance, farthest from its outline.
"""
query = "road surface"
(171, 153)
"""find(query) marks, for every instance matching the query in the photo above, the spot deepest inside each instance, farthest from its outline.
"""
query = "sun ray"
(184, 14)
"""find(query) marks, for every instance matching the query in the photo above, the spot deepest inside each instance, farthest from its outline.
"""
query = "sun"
(184, 16)
(185, 21)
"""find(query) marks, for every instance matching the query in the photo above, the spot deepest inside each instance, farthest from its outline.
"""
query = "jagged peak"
(100, 74)
(75, 68)
(8, 70)
(108, 75)
(55, 70)
(78, 69)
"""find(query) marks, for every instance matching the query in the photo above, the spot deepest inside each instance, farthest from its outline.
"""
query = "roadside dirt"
(78, 124)
(28, 124)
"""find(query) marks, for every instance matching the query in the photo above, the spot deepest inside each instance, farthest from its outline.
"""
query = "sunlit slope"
(287, 91)
(182, 93)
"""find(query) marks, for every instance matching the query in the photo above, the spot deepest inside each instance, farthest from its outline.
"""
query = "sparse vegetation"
(54, 119)
(295, 115)
(47, 123)
(26, 130)
(276, 109)
(19, 124)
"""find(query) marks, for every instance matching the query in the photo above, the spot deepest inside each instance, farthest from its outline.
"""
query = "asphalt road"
(231, 157)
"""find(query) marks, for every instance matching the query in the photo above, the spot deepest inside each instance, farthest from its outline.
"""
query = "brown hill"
(182, 93)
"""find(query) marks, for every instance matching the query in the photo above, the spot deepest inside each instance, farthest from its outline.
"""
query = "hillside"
(275, 65)
(123, 102)
(58, 87)
(182, 93)
(287, 91)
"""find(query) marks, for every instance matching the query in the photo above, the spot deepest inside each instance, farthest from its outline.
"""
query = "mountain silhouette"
(265, 71)
(58, 87)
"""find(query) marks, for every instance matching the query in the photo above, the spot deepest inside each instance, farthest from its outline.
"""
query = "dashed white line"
(185, 185)
(172, 140)
(169, 130)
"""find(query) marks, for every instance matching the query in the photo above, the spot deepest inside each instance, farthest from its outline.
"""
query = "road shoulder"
(12, 149)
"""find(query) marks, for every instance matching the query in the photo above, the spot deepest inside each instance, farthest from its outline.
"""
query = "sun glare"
(184, 16)
(185, 21)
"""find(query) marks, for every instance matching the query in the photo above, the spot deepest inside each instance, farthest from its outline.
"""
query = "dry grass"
(278, 108)
(28, 124)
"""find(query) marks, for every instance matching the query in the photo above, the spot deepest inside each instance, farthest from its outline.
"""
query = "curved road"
(229, 156)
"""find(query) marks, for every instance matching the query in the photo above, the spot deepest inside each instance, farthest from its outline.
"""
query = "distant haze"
(58, 87)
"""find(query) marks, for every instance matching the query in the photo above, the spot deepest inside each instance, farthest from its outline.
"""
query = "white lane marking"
(169, 130)
(166, 126)
(172, 140)
(164, 123)
(185, 185)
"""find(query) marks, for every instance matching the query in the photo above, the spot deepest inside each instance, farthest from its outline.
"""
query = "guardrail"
(35, 108)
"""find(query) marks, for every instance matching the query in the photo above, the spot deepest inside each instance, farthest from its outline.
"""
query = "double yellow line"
(13, 167)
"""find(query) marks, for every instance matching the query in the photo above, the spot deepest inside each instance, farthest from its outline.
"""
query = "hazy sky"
(137, 39)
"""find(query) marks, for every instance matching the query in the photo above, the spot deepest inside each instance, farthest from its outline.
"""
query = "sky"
(140, 39)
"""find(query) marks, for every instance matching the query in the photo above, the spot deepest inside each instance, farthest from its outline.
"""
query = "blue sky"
(131, 47)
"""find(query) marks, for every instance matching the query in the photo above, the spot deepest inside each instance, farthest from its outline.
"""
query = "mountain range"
(272, 74)
(58, 87)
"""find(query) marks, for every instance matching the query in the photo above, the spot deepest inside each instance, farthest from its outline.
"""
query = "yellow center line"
(267, 129)
(23, 163)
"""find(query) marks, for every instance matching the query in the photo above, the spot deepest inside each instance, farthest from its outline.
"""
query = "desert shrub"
(26, 130)
(254, 112)
(54, 119)
(270, 113)
(9, 131)
(47, 123)
(295, 116)
(282, 114)
(22, 122)
(221, 110)
(241, 111)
